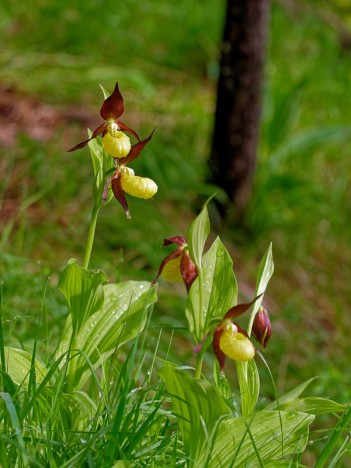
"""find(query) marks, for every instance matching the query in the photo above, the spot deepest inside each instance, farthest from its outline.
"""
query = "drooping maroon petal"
(119, 192)
(239, 309)
(135, 150)
(112, 107)
(124, 127)
(179, 240)
(169, 257)
(216, 348)
(188, 270)
(100, 130)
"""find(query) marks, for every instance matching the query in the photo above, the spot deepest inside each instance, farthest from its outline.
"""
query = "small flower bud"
(117, 146)
(262, 329)
(140, 187)
(235, 344)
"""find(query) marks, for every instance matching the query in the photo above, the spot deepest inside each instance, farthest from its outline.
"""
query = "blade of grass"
(334, 438)
(15, 424)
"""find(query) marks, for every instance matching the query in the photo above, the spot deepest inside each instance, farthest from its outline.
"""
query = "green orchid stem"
(91, 235)
(198, 368)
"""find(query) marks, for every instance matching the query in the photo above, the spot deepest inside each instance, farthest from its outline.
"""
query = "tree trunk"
(237, 118)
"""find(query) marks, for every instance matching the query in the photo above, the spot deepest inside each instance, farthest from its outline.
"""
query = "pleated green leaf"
(290, 396)
(121, 318)
(265, 272)
(314, 405)
(83, 291)
(197, 235)
(259, 439)
(198, 407)
(219, 291)
(249, 382)
(19, 362)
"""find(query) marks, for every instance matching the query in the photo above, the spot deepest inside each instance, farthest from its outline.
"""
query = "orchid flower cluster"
(228, 338)
(117, 144)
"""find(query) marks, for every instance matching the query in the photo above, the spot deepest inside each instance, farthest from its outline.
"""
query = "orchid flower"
(117, 144)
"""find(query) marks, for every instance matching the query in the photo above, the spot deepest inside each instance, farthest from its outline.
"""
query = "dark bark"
(238, 108)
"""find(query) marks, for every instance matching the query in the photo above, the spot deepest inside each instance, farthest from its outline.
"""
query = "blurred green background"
(53, 55)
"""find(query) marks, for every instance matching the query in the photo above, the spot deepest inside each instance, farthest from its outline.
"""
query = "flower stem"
(91, 235)
(198, 368)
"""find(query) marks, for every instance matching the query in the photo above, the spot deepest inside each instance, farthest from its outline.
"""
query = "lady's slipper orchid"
(229, 340)
(178, 265)
(117, 145)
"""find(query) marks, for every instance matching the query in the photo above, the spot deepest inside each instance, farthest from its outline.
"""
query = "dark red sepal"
(239, 309)
(124, 127)
(119, 192)
(135, 150)
(179, 240)
(216, 348)
(102, 129)
(112, 107)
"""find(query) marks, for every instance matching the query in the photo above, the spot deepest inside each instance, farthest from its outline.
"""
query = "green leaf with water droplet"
(83, 291)
(259, 439)
(219, 291)
(121, 318)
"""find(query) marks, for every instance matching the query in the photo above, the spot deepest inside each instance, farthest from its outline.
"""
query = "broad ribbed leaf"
(19, 362)
(121, 318)
(219, 291)
(290, 396)
(249, 382)
(198, 232)
(198, 407)
(83, 291)
(314, 405)
(265, 272)
(271, 435)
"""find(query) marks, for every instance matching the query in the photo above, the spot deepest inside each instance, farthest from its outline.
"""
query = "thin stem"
(91, 235)
(198, 368)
